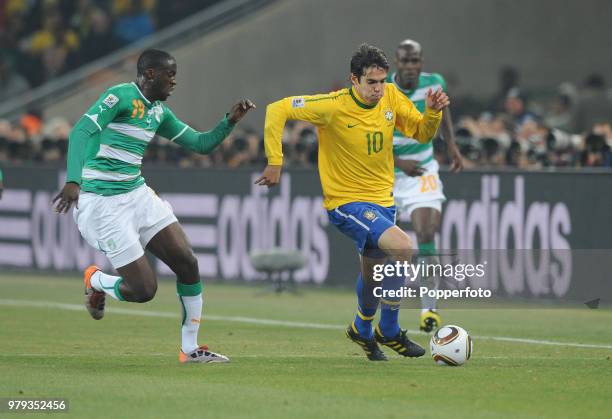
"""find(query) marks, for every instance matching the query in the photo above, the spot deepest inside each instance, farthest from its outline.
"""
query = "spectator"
(596, 152)
(594, 105)
(515, 107)
(54, 45)
(491, 153)
(509, 78)
(99, 40)
(133, 20)
(560, 114)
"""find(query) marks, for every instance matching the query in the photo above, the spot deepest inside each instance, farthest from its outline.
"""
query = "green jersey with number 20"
(408, 148)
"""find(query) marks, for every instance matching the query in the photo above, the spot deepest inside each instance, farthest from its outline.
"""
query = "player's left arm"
(413, 124)
(448, 134)
(205, 142)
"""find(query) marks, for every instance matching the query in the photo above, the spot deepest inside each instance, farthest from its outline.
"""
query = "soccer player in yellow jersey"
(355, 128)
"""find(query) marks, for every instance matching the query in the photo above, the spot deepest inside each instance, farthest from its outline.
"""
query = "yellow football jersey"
(355, 140)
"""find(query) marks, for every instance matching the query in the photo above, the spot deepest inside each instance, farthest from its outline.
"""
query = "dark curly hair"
(368, 56)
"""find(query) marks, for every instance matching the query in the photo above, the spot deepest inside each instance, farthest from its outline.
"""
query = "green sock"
(427, 249)
(427, 253)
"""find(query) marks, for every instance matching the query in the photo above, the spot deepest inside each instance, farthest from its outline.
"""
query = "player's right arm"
(93, 121)
(316, 109)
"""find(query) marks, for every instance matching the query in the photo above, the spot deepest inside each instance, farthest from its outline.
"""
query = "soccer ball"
(451, 345)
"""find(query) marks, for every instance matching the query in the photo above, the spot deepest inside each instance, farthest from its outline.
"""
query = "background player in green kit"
(418, 189)
(115, 210)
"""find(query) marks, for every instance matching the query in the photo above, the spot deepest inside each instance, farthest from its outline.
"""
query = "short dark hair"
(368, 56)
(152, 58)
(411, 45)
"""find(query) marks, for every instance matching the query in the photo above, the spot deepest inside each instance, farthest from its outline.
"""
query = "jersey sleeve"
(179, 132)
(106, 108)
(93, 121)
(413, 124)
(316, 109)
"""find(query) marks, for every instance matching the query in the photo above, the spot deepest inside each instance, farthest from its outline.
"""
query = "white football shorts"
(122, 225)
(424, 191)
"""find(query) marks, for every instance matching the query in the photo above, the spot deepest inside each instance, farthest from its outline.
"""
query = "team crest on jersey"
(389, 115)
(111, 100)
(156, 111)
(298, 102)
(369, 215)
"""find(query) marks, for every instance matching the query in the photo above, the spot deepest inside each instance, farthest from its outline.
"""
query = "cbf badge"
(369, 215)
(389, 115)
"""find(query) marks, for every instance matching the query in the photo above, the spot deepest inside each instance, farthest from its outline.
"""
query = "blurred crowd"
(42, 39)
(571, 128)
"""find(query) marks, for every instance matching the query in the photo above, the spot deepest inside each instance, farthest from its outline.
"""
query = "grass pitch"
(126, 365)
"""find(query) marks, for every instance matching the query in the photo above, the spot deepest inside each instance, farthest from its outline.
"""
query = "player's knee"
(425, 233)
(147, 292)
(403, 249)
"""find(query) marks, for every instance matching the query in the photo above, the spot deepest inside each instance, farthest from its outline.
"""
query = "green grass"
(126, 365)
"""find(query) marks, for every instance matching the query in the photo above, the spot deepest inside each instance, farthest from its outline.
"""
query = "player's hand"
(270, 176)
(239, 110)
(457, 159)
(410, 167)
(437, 100)
(67, 196)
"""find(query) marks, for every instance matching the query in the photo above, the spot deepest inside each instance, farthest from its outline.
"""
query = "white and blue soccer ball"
(451, 345)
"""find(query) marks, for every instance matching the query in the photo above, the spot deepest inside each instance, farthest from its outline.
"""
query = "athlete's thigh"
(426, 217)
(138, 273)
(170, 244)
(155, 215)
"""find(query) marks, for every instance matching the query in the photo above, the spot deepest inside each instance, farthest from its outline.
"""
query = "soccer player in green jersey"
(418, 189)
(115, 210)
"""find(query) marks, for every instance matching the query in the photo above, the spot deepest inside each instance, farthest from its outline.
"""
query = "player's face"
(165, 80)
(371, 86)
(409, 63)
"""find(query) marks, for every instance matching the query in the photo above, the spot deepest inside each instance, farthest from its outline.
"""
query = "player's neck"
(146, 92)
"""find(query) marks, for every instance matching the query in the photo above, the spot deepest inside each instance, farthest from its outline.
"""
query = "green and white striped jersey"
(113, 134)
(408, 148)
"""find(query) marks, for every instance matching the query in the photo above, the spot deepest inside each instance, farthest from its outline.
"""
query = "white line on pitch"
(271, 322)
